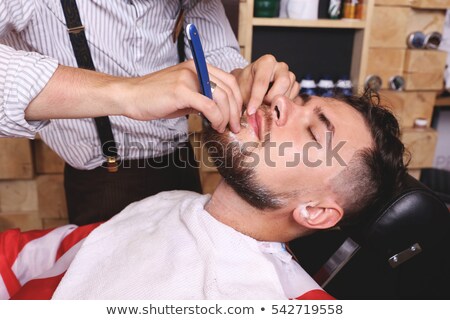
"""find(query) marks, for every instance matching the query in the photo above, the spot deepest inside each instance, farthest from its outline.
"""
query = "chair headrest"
(413, 215)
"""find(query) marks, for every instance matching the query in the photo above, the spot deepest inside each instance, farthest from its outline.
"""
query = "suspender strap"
(84, 60)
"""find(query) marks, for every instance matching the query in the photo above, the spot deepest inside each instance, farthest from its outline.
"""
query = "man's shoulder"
(172, 197)
(165, 201)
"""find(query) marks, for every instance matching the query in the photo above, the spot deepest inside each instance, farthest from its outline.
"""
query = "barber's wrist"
(116, 91)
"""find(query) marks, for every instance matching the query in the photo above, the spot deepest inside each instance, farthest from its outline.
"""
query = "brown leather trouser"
(97, 195)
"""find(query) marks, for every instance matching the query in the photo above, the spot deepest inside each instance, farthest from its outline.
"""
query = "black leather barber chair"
(437, 180)
(399, 250)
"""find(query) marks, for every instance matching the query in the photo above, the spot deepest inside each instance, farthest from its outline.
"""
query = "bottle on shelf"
(326, 87)
(334, 9)
(266, 8)
(303, 9)
(416, 40)
(283, 9)
(373, 82)
(349, 11)
(308, 86)
(420, 123)
(359, 10)
(397, 83)
(344, 86)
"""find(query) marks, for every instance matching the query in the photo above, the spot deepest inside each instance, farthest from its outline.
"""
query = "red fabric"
(38, 289)
(315, 295)
(74, 237)
(11, 243)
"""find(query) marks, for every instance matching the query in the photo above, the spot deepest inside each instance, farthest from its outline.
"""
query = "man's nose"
(281, 109)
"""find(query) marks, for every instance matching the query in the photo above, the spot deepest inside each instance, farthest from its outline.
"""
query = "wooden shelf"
(320, 23)
(442, 102)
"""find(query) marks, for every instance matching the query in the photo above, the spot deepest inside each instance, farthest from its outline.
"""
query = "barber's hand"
(254, 81)
(175, 91)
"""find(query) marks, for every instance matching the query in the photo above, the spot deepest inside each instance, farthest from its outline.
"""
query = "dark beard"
(232, 162)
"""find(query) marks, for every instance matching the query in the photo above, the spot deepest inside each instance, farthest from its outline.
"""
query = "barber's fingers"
(229, 103)
(227, 98)
(283, 80)
(295, 90)
(196, 102)
(222, 101)
(229, 80)
(262, 72)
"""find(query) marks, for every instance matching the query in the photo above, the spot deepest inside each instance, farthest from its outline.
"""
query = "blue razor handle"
(199, 59)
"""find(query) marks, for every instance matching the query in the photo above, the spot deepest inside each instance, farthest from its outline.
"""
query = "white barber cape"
(168, 247)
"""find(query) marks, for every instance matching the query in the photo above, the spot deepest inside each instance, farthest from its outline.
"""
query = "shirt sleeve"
(219, 43)
(23, 75)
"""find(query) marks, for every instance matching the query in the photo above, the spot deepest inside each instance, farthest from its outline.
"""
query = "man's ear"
(314, 216)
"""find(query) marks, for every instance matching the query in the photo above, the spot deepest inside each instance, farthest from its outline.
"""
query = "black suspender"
(84, 61)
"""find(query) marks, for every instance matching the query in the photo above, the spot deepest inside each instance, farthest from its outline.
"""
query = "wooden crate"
(15, 159)
(421, 143)
(46, 160)
(386, 63)
(389, 25)
(18, 196)
(405, 3)
(424, 81)
(430, 4)
(388, 59)
(53, 223)
(426, 21)
(409, 105)
(25, 222)
(425, 61)
(51, 196)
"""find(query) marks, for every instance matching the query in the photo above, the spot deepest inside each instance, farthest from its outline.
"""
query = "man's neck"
(230, 209)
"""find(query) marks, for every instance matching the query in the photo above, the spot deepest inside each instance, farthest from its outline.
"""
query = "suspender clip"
(75, 30)
(111, 164)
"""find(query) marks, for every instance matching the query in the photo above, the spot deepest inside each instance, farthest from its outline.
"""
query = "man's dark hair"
(375, 172)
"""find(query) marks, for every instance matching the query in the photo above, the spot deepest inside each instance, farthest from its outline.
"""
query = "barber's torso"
(127, 38)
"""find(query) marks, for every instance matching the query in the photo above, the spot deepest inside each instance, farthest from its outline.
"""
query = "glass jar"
(266, 8)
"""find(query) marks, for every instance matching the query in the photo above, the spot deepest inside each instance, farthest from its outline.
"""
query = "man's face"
(289, 151)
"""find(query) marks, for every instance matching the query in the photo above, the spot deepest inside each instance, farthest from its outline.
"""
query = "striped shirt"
(127, 38)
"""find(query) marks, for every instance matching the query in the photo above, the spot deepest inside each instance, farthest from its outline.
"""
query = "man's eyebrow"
(323, 118)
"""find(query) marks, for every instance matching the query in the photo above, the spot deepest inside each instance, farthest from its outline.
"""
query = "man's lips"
(258, 123)
(254, 124)
(260, 117)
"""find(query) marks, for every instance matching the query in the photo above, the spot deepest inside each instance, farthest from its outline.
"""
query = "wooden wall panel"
(18, 196)
(431, 4)
(46, 160)
(407, 106)
(425, 20)
(388, 28)
(15, 159)
(51, 195)
(425, 61)
(421, 143)
(25, 222)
